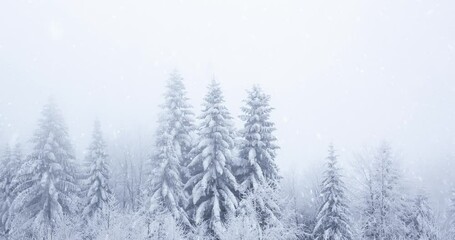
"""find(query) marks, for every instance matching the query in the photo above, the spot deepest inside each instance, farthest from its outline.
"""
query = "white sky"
(351, 72)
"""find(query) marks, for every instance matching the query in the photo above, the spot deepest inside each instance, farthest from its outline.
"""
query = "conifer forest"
(227, 120)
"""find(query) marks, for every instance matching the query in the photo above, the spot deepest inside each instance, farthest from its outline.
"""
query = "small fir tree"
(98, 192)
(332, 221)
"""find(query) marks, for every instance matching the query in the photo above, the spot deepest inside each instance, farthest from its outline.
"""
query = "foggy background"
(353, 73)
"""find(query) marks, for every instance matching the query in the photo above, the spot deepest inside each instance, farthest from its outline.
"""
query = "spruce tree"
(173, 145)
(9, 166)
(257, 171)
(97, 192)
(384, 208)
(165, 184)
(369, 225)
(422, 224)
(46, 187)
(332, 221)
(258, 144)
(213, 183)
(178, 118)
(11, 163)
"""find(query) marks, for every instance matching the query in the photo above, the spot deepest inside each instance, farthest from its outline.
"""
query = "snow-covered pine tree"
(173, 144)
(422, 225)
(369, 224)
(332, 221)
(97, 192)
(165, 185)
(4, 189)
(258, 144)
(257, 151)
(11, 162)
(213, 183)
(46, 187)
(179, 117)
(384, 205)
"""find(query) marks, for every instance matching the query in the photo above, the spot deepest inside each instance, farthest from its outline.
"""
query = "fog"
(354, 73)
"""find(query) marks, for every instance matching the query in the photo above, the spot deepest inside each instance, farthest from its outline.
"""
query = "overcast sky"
(351, 72)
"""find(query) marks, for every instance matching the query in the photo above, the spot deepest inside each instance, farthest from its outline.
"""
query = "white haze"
(350, 72)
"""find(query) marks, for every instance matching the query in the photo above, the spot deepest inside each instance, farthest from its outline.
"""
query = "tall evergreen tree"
(97, 192)
(46, 181)
(213, 183)
(178, 120)
(165, 184)
(173, 145)
(422, 224)
(333, 217)
(257, 152)
(384, 204)
(258, 144)
(10, 164)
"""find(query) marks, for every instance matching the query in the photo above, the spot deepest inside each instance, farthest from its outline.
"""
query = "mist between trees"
(203, 179)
